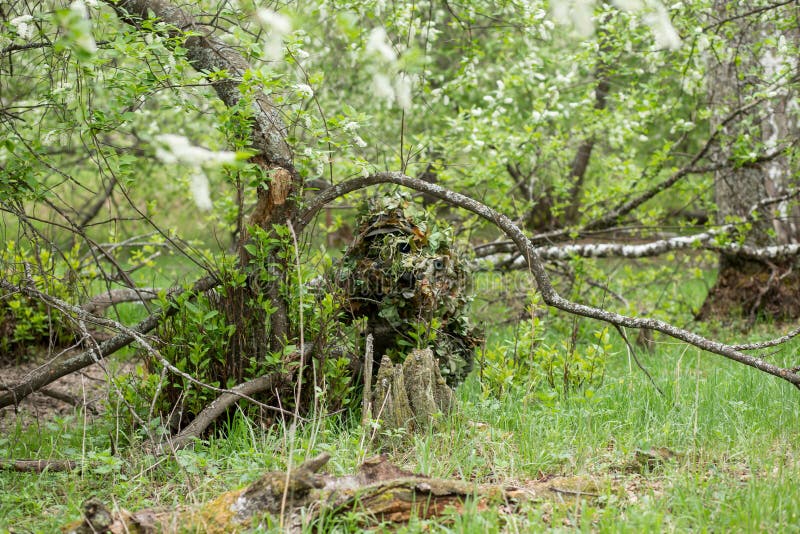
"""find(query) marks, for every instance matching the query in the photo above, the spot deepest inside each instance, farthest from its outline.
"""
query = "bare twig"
(632, 352)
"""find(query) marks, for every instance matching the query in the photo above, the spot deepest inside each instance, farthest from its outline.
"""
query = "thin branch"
(219, 406)
(632, 352)
(628, 206)
(34, 46)
(92, 211)
(62, 367)
(752, 12)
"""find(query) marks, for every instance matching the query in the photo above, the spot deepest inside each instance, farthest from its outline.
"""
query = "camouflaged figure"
(404, 275)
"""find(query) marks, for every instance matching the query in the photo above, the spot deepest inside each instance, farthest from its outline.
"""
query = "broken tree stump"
(412, 394)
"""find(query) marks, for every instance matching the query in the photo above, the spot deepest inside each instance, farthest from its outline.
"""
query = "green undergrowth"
(730, 432)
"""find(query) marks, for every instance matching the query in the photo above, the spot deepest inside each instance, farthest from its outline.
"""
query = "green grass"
(735, 432)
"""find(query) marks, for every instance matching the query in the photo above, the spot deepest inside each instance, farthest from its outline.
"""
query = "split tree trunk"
(745, 287)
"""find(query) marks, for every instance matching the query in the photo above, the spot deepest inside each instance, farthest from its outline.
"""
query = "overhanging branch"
(534, 261)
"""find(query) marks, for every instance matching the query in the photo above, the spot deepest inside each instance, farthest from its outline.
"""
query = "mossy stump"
(412, 394)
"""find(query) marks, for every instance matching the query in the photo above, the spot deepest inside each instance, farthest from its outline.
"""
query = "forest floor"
(717, 451)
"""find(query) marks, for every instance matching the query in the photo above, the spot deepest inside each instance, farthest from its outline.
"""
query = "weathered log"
(38, 466)
(380, 492)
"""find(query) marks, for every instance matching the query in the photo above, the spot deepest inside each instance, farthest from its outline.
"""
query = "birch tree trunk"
(755, 64)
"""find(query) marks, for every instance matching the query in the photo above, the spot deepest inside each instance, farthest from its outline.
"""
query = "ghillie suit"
(403, 273)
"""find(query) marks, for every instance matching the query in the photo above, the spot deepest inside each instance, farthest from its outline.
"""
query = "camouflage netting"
(404, 274)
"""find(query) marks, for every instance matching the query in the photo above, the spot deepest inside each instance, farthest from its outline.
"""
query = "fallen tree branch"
(536, 266)
(62, 367)
(219, 406)
(37, 466)
(98, 304)
(702, 241)
(378, 492)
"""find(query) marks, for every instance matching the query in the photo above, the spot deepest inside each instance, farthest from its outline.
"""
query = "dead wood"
(379, 492)
(217, 407)
(37, 466)
(59, 367)
(412, 394)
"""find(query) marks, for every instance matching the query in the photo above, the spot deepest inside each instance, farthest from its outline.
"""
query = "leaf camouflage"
(404, 273)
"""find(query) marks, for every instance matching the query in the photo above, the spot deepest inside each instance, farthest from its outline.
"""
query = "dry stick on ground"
(220, 405)
(549, 294)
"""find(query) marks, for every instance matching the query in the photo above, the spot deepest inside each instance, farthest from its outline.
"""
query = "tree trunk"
(745, 287)
(257, 332)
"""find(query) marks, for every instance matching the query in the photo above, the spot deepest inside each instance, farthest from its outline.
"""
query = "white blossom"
(665, 34)
(575, 12)
(350, 126)
(22, 26)
(278, 23)
(378, 43)
(80, 8)
(402, 87)
(359, 141)
(383, 87)
(84, 40)
(178, 149)
(304, 89)
(199, 188)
